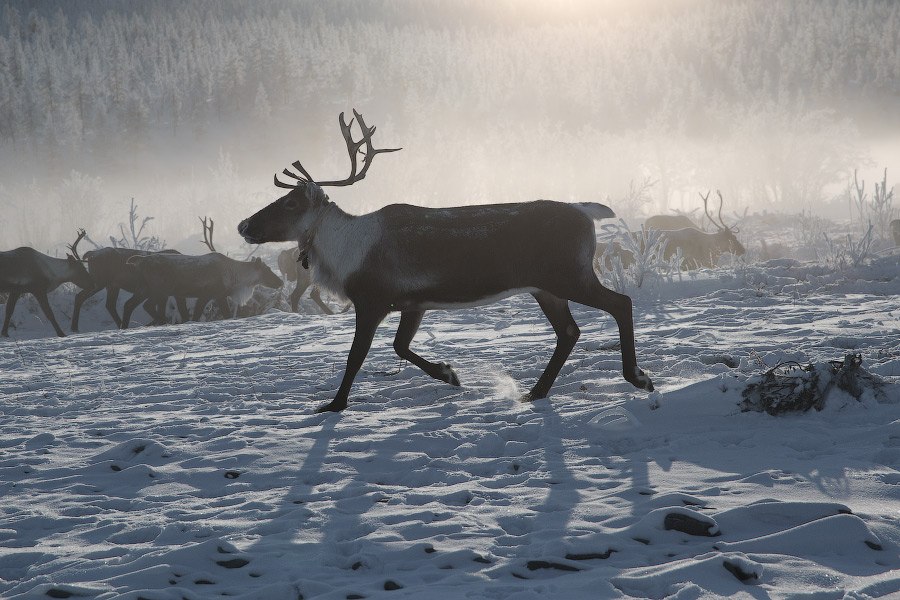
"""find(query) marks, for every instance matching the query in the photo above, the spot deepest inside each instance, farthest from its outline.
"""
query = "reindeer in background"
(698, 248)
(109, 269)
(701, 249)
(205, 277)
(27, 271)
(670, 222)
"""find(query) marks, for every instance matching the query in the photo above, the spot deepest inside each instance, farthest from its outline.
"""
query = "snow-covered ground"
(185, 461)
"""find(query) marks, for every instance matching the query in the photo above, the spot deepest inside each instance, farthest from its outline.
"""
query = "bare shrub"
(877, 210)
(793, 387)
(842, 255)
(810, 228)
(637, 196)
(132, 235)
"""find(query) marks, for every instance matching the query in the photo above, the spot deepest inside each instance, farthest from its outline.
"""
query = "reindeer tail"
(595, 210)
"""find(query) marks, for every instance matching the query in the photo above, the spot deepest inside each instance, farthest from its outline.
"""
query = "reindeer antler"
(720, 224)
(208, 233)
(73, 248)
(354, 147)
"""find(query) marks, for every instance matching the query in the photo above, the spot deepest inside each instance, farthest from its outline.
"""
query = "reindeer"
(109, 269)
(203, 277)
(670, 222)
(699, 249)
(293, 270)
(412, 259)
(27, 271)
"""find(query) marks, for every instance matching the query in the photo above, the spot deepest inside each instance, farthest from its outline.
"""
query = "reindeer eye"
(291, 203)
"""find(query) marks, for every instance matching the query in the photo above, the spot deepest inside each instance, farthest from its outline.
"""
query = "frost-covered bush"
(875, 211)
(810, 228)
(629, 260)
(842, 255)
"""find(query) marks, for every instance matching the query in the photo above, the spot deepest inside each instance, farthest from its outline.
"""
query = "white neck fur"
(340, 245)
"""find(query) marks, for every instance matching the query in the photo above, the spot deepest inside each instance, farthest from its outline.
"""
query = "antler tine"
(73, 248)
(296, 164)
(281, 184)
(303, 177)
(721, 202)
(706, 206)
(352, 147)
(208, 232)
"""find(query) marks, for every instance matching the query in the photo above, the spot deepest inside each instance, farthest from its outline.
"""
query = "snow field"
(185, 461)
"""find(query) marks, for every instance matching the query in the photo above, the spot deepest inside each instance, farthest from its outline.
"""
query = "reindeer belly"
(185, 282)
(467, 279)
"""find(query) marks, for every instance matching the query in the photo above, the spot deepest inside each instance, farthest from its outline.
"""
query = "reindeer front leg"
(10, 307)
(406, 331)
(367, 321)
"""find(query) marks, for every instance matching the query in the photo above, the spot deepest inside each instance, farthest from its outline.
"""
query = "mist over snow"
(191, 107)
(185, 460)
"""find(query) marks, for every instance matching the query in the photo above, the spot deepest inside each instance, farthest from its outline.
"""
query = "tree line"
(74, 74)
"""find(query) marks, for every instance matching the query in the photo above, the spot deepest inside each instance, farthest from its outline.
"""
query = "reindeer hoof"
(448, 375)
(532, 396)
(640, 380)
(332, 406)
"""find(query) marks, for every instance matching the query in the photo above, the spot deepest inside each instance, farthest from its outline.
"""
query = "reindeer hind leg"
(316, 295)
(130, 305)
(592, 293)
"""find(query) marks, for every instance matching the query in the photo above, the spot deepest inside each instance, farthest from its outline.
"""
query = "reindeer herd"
(401, 258)
(151, 278)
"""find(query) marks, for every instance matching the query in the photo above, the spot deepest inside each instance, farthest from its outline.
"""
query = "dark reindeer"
(27, 271)
(412, 259)
(221, 302)
(110, 270)
(203, 277)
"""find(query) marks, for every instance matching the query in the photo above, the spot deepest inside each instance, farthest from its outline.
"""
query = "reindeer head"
(727, 240)
(264, 275)
(78, 273)
(292, 216)
(288, 218)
